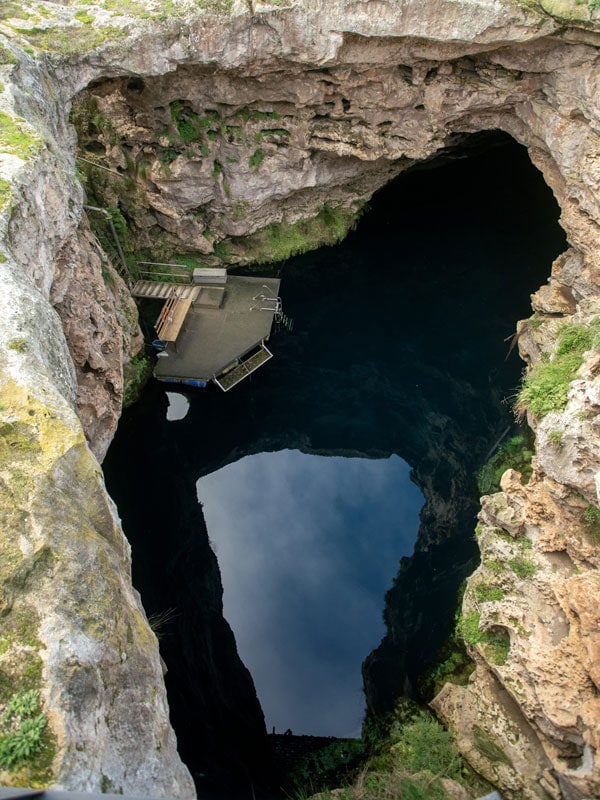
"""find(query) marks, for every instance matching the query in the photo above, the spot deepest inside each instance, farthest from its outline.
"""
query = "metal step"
(161, 290)
(228, 380)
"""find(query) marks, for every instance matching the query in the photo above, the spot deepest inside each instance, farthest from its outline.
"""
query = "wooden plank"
(175, 320)
(166, 313)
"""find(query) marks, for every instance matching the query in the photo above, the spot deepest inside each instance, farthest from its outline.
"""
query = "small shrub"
(486, 593)
(591, 515)
(84, 17)
(18, 343)
(168, 155)
(591, 520)
(546, 387)
(522, 567)
(135, 374)
(220, 250)
(468, 628)
(496, 646)
(7, 56)
(21, 729)
(24, 704)
(23, 743)
(256, 159)
(494, 566)
(426, 745)
(327, 766)
(495, 643)
(555, 437)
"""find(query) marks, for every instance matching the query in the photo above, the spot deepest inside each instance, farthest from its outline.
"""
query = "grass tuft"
(546, 388)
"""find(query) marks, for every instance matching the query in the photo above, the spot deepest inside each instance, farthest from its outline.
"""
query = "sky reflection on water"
(307, 547)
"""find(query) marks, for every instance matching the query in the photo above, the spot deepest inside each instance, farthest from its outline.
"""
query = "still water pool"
(308, 546)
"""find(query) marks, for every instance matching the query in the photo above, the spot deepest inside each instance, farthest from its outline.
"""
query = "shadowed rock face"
(365, 90)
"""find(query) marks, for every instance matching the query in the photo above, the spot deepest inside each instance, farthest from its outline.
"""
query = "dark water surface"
(399, 354)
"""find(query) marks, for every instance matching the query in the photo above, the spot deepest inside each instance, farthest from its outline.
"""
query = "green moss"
(522, 567)
(247, 114)
(468, 628)
(495, 643)
(6, 55)
(546, 387)
(18, 440)
(281, 132)
(486, 593)
(188, 122)
(279, 241)
(496, 646)
(488, 747)
(88, 119)
(135, 376)
(18, 343)
(83, 16)
(71, 41)
(516, 453)
(326, 766)
(5, 193)
(452, 665)
(240, 209)
(13, 10)
(15, 137)
(555, 437)
(590, 517)
(256, 159)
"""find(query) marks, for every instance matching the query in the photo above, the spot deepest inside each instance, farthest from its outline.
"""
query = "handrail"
(147, 275)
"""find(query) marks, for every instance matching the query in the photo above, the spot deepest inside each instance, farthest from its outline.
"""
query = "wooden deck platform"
(215, 338)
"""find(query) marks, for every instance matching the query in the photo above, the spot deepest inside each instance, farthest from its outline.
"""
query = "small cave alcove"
(400, 348)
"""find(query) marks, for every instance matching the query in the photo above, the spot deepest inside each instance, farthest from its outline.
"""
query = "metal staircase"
(161, 290)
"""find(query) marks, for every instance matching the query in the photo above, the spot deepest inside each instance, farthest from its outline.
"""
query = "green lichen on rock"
(31, 437)
(16, 137)
(71, 40)
(515, 453)
(489, 748)
(136, 374)
(495, 642)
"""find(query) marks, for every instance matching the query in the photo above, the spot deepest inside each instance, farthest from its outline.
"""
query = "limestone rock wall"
(337, 97)
(71, 625)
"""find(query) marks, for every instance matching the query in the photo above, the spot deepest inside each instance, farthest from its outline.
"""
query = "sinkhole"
(335, 491)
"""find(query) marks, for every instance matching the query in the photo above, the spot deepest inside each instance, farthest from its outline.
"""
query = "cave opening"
(401, 349)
